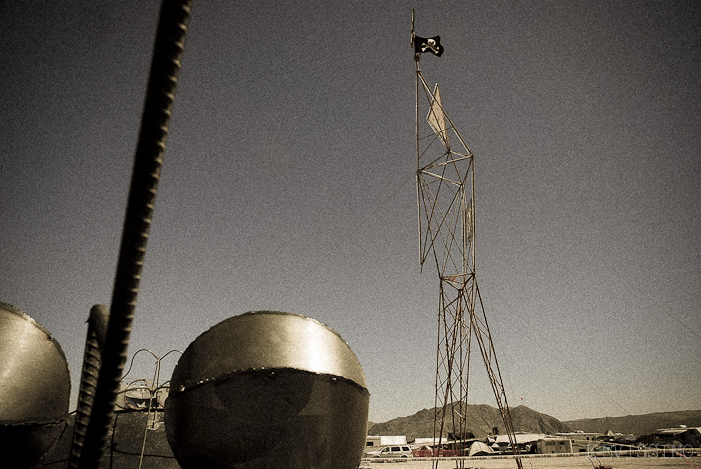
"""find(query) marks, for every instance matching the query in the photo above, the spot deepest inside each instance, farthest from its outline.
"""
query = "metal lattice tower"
(446, 207)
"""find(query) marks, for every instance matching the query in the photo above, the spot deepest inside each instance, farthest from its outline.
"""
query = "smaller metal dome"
(34, 388)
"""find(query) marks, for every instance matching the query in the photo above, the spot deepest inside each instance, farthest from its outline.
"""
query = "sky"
(288, 184)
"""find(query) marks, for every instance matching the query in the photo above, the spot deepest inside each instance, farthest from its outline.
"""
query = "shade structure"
(34, 388)
(478, 448)
(268, 389)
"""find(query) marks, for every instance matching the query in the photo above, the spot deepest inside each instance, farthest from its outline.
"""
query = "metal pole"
(160, 95)
(92, 359)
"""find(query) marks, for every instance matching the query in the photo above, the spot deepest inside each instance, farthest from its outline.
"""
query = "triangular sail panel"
(436, 118)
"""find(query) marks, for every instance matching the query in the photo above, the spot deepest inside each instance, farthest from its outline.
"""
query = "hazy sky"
(289, 184)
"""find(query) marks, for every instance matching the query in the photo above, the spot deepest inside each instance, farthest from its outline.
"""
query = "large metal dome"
(34, 388)
(268, 389)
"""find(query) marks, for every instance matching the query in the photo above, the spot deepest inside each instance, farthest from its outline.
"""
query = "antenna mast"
(445, 181)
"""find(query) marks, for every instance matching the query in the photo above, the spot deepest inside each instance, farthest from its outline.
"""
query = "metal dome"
(268, 389)
(34, 388)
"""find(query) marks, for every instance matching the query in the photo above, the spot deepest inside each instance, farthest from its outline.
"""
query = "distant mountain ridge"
(638, 424)
(481, 420)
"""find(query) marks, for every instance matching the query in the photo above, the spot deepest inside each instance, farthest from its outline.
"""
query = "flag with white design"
(428, 44)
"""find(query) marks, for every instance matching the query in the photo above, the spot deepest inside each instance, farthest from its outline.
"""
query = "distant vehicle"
(403, 451)
(553, 445)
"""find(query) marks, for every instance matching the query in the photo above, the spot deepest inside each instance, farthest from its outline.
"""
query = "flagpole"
(418, 201)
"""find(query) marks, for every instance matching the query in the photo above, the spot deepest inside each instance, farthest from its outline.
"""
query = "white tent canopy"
(478, 449)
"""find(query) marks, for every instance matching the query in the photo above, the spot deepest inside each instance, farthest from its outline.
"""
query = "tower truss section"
(446, 207)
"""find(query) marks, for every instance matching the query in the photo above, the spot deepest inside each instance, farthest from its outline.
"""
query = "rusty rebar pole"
(92, 360)
(160, 95)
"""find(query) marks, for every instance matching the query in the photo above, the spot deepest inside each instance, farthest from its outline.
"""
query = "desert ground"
(544, 462)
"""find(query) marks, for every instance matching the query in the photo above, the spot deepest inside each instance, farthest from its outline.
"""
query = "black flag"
(430, 44)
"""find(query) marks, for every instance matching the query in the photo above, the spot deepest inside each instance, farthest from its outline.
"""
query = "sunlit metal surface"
(268, 389)
(34, 387)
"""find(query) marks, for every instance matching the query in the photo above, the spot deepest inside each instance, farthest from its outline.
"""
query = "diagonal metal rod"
(160, 95)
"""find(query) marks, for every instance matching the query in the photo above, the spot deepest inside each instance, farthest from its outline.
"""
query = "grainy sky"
(289, 184)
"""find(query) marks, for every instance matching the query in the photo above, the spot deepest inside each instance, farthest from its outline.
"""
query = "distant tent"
(479, 449)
